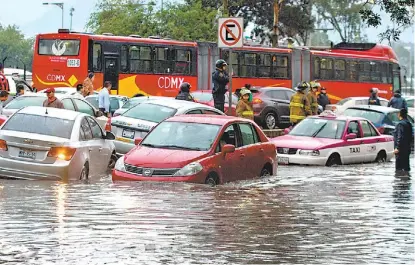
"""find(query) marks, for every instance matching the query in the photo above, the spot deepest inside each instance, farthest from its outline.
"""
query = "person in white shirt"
(4, 95)
(104, 99)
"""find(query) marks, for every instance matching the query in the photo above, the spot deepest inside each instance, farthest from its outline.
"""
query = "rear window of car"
(44, 125)
(202, 97)
(150, 112)
(21, 102)
(114, 103)
(343, 101)
(410, 103)
(373, 116)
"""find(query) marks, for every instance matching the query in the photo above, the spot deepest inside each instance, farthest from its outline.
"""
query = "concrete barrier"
(273, 133)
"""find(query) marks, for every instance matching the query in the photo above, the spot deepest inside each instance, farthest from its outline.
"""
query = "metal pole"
(62, 14)
(225, 8)
(24, 71)
(230, 83)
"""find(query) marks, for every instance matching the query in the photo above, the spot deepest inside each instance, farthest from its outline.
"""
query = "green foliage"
(401, 14)
(343, 16)
(15, 47)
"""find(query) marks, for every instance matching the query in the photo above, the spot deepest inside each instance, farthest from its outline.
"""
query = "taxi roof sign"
(328, 113)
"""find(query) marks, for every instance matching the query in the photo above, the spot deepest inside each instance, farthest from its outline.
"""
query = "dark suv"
(272, 106)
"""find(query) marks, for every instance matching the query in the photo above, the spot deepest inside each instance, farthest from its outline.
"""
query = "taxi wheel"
(334, 160)
(381, 157)
(212, 180)
(113, 160)
(270, 120)
(84, 172)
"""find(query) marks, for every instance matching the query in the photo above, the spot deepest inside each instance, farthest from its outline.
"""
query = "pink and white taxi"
(330, 140)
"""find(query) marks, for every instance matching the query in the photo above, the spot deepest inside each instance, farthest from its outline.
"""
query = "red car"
(201, 149)
(206, 97)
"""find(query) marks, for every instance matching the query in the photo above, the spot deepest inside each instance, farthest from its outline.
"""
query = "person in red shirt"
(52, 101)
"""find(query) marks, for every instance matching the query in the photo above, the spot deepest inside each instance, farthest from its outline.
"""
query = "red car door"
(232, 164)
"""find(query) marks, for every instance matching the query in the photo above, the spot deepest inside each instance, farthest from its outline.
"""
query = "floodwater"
(359, 214)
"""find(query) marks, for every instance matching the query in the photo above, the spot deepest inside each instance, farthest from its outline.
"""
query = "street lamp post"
(71, 14)
(60, 5)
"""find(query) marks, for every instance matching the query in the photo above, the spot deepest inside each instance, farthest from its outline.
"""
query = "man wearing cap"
(312, 97)
(323, 100)
(88, 84)
(52, 101)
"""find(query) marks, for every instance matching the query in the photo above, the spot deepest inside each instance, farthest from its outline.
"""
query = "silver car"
(54, 144)
(136, 122)
(69, 102)
(135, 101)
(116, 102)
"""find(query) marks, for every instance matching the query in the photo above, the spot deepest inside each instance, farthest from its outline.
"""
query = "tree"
(401, 14)
(343, 16)
(15, 48)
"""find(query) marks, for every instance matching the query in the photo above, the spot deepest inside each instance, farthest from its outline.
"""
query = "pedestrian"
(397, 101)
(104, 99)
(220, 80)
(52, 101)
(19, 90)
(373, 99)
(4, 95)
(403, 137)
(323, 100)
(89, 84)
(184, 93)
(4, 83)
(312, 97)
(299, 105)
(244, 108)
(80, 89)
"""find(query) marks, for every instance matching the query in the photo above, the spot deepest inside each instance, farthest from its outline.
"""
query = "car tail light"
(381, 130)
(108, 125)
(257, 101)
(63, 153)
(3, 145)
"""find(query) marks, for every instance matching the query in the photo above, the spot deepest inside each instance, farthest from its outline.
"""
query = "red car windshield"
(320, 128)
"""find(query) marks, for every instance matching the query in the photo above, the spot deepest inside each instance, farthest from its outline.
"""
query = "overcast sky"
(32, 17)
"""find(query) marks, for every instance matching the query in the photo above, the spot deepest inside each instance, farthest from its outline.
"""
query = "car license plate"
(27, 154)
(128, 134)
(73, 63)
(283, 160)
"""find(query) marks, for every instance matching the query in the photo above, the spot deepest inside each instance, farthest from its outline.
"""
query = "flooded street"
(359, 214)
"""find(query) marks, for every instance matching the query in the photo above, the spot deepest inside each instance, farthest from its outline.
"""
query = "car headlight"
(190, 169)
(119, 165)
(309, 152)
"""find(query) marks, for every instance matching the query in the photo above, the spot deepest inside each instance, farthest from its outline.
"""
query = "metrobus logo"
(170, 82)
(58, 47)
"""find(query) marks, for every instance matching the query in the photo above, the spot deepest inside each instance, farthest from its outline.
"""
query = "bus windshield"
(58, 47)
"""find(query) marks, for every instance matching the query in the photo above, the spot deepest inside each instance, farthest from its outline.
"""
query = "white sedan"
(345, 103)
(137, 121)
(69, 91)
(69, 102)
(54, 144)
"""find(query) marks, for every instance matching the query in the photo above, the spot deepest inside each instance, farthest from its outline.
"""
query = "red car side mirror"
(228, 148)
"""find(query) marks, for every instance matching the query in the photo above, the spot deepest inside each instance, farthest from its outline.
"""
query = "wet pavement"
(360, 214)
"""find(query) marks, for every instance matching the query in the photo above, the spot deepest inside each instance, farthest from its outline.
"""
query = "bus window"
(326, 69)
(375, 72)
(385, 73)
(281, 70)
(183, 60)
(396, 77)
(162, 63)
(339, 69)
(140, 59)
(364, 71)
(316, 70)
(248, 65)
(124, 59)
(58, 47)
(97, 57)
(264, 65)
(353, 73)
(234, 61)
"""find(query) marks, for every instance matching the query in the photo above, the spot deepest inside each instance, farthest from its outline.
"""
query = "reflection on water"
(305, 215)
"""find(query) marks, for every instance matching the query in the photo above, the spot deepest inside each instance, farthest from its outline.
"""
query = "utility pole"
(225, 8)
(277, 7)
(71, 14)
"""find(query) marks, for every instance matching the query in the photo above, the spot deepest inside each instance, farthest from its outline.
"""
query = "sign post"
(230, 35)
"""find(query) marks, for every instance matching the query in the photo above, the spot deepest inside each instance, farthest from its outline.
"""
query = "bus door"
(396, 77)
(111, 71)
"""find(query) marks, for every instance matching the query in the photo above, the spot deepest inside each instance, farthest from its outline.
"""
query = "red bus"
(154, 66)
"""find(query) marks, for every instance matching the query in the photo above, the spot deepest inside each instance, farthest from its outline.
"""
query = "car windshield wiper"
(319, 130)
(179, 147)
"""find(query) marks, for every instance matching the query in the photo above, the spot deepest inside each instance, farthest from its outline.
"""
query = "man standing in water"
(220, 79)
(403, 138)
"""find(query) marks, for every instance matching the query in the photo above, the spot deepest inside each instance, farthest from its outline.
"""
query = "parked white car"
(131, 102)
(69, 102)
(116, 102)
(54, 144)
(136, 122)
(69, 91)
(345, 103)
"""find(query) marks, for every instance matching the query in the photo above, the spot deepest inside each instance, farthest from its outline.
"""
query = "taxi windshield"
(319, 128)
(182, 136)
